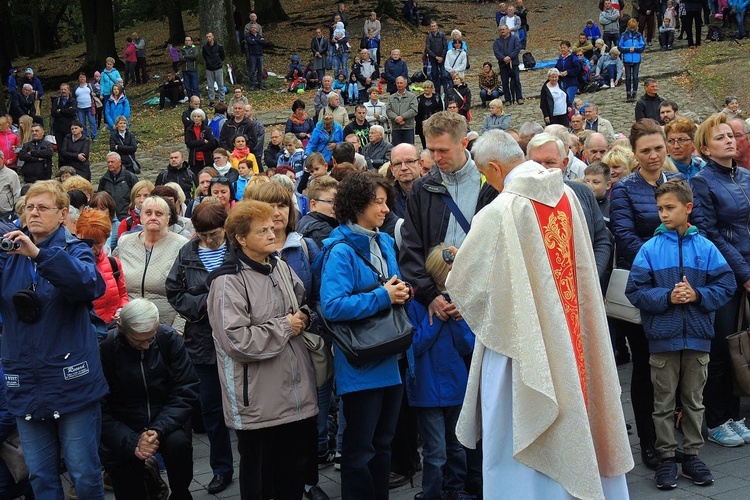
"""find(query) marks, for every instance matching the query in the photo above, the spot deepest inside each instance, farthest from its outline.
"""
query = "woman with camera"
(49, 349)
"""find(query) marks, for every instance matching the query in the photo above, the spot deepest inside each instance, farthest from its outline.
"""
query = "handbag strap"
(369, 264)
(460, 218)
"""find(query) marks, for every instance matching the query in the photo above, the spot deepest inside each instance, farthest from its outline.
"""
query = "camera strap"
(32, 269)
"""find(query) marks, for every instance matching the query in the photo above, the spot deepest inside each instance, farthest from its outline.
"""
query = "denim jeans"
(444, 457)
(220, 443)
(631, 77)
(488, 96)
(402, 136)
(190, 79)
(88, 120)
(324, 403)
(571, 91)
(255, 67)
(75, 436)
(609, 73)
(371, 417)
(741, 21)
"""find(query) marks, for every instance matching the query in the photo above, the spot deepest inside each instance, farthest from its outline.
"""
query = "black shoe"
(666, 475)
(326, 459)
(650, 458)
(218, 483)
(316, 493)
(396, 480)
(694, 468)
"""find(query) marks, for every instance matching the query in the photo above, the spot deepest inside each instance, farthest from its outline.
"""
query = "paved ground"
(729, 466)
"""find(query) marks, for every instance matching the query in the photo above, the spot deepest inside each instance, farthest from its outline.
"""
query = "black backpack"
(528, 60)
(714, 34)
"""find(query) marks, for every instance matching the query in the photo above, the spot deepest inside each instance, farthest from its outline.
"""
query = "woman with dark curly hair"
(371, 392)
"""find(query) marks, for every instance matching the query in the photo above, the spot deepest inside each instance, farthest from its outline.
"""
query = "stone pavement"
(729, 466)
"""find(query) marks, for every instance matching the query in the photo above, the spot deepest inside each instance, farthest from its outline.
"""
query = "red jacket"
(130, 55)
(115, 295)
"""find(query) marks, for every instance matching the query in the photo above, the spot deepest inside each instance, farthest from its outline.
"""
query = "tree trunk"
(216, 17)
(270, 11)
(176, 27)
(98, 26)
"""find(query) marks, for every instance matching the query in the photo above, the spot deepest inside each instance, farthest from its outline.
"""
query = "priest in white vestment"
(543, 393)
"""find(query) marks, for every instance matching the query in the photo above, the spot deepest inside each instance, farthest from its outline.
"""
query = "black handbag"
(383, 334)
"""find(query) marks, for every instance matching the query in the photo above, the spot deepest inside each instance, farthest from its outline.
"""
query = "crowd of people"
(237, 289)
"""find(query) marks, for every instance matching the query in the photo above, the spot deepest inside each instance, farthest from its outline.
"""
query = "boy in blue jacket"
(678, 279)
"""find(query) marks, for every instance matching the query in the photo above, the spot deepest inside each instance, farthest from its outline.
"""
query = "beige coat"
(266, 374)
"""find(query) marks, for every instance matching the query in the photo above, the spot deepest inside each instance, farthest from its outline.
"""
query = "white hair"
(529, 129)
(378, 129)
(114, 155)
(558, 131)
(199, 112)
(139, 316)
(73, 214)
(540, 140)
(499, 146)
(284, 180)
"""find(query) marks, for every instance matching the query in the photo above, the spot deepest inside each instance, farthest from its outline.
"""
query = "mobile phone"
(448, 256)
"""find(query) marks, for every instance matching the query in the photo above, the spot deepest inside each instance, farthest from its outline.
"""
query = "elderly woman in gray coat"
(378, 150)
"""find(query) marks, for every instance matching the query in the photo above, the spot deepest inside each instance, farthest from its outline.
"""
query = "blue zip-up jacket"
(320, 139)
(689, 170)
(114, 109)
(109, 78)
(343, 274)
(572, 65)
(660, 264)
(301, 262)
(634, 215)
(437, 374)
(631, 39)
(52, 366)
(722, 209)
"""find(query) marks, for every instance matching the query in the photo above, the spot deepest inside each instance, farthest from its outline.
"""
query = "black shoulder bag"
(383, 334)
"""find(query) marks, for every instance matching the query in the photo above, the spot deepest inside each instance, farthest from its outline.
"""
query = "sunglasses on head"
(223, 180)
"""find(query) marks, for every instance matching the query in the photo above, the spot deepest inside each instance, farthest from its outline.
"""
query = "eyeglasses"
(405, 163)
(210, 235)
(680, 142)
(330, 202)
(223, 180)
(42, 209)
(220, 158)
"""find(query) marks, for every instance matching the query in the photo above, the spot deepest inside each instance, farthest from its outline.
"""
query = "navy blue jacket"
(660, 264)
(52, 366)
(394, 69)
(722, 209)
(572, 65)
(300, 260)
(437, 373)
(634, 215)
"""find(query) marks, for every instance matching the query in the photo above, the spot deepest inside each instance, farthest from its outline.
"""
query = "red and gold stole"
(556, 225)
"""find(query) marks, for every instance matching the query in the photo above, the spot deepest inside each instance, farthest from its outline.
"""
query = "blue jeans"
(74, 434)
(88, 121)
(255, 67)
(609, 73)
(488, 96)
(571, 91)
(631, 77)
(741, 22)
(402, 136)
(324, 403)
(444, 457)
(219, 440)
(190, 79)
(436, 75)
(371, 417)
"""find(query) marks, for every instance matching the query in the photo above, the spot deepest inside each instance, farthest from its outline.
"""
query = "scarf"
(299, 121)
(241, 153)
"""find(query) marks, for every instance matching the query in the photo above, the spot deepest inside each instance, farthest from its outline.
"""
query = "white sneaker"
(740, 429)
(605, 86)
(725, 435)
(612, 83)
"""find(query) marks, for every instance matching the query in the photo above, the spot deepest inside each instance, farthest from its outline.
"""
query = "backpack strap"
(115, 267)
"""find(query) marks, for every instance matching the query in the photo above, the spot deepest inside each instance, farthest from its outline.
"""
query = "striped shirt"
(212, 258)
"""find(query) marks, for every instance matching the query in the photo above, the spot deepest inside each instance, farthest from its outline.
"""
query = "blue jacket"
(109, 78)
(572, 65)
(301, 261)
(631, 39)
(634, 215)
(320, 139)
(344, 273)
(721, 208)
(437, 372)
(394, 69)
(593, 32)
(52, 366)
(663, 261)
(114, 109)
(690, 169)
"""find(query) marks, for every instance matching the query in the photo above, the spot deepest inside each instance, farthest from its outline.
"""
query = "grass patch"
(722, 68)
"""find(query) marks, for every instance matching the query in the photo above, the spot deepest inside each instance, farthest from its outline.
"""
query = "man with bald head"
(551, 152)
(405, 167)
(595, 147)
